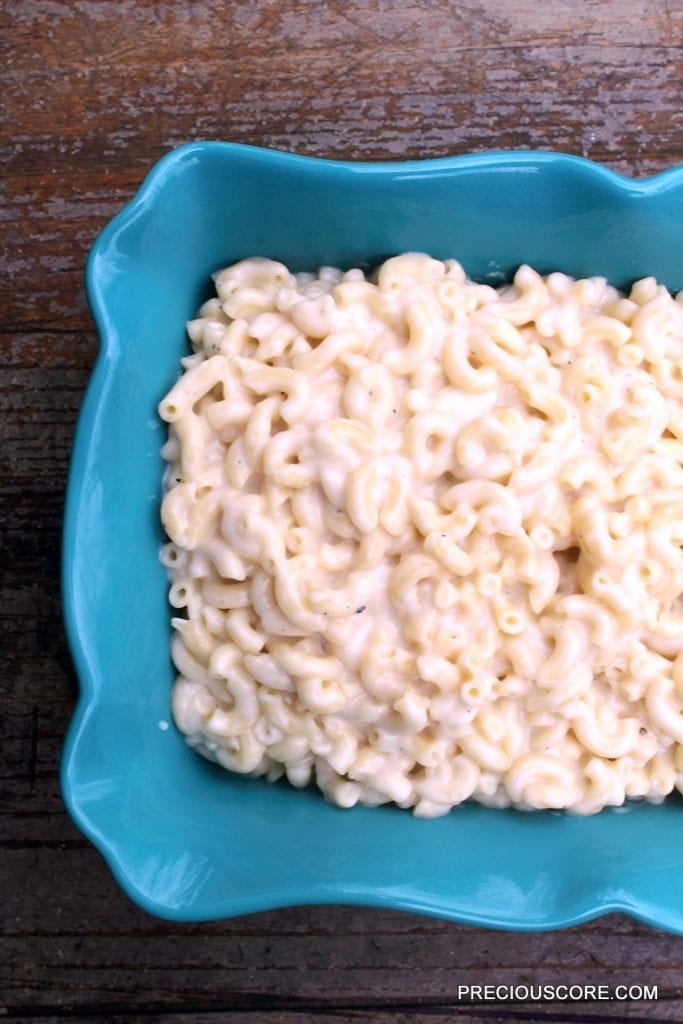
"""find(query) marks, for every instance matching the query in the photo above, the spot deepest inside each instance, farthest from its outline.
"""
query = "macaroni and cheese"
(426, 536)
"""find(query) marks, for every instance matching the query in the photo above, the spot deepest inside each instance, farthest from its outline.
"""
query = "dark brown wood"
(92, 93)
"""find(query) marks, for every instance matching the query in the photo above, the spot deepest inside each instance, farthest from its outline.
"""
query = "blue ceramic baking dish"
(185, 839)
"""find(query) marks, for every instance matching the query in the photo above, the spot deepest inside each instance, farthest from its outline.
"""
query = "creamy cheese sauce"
(425, 535)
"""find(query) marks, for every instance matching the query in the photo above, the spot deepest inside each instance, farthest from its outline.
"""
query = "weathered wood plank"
(605, 1013)
(92, 94)
(339, 80)
(332, 956)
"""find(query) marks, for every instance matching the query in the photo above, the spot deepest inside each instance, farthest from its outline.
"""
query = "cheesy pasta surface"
(426, 535)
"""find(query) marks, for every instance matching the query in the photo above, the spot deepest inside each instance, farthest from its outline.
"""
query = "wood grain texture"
(92, 93)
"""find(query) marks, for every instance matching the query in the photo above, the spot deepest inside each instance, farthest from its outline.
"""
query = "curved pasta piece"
(662, 709)
(497, 508)
(541, 780)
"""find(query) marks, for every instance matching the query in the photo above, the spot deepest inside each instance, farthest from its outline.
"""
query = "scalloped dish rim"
(87, 668)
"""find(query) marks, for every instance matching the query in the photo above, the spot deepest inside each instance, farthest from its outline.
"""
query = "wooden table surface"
(92, 93)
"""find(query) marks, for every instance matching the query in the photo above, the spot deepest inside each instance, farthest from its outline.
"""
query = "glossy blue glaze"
(187, 840)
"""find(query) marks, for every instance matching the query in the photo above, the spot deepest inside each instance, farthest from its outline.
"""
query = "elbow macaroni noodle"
(426, 536)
